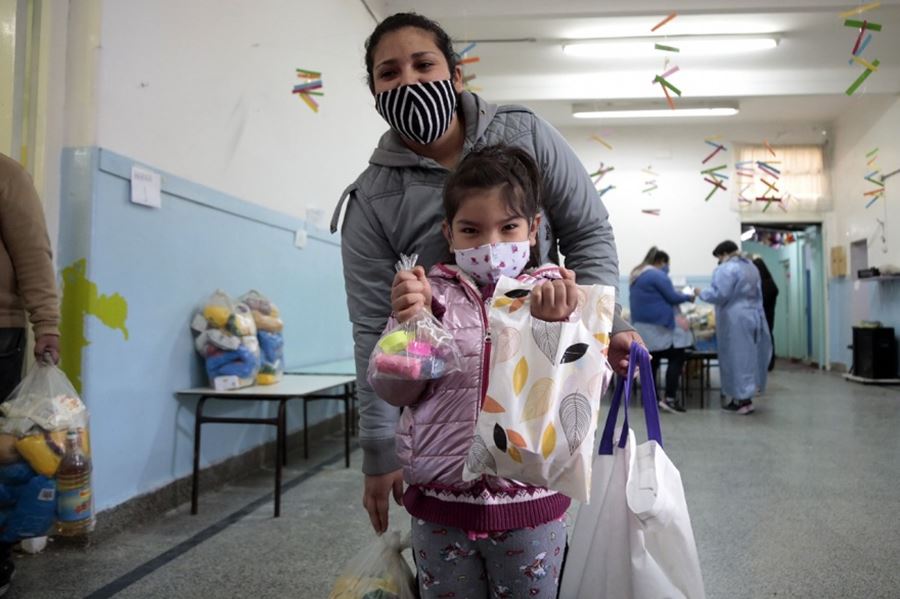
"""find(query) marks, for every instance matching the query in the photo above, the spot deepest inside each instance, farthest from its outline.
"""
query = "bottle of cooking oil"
(75, 501)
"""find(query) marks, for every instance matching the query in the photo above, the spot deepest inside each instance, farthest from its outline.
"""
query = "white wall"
(688, 227)
(874, 123)
(202, 89)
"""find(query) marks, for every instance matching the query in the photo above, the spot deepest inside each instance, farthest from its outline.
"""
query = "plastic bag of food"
(419, 349)
(39, 413)
(226, 339)
(378, 571)
(269, 328)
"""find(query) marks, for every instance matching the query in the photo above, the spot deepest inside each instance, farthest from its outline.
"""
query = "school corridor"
(801, 499)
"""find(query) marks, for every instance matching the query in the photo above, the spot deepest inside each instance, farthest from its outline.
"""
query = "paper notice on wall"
(145, 187)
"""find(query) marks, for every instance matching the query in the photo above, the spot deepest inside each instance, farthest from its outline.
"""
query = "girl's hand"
(555, 300)
(410, 294)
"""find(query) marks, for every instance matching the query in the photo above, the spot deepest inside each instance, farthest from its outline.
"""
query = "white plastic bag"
(538, 420)
(378, 571)
(420, 349)
(635, 538)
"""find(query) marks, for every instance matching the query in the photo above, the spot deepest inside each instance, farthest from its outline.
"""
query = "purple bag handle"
(638, 357)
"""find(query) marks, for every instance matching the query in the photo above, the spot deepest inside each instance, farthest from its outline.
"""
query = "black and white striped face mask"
(420, 112)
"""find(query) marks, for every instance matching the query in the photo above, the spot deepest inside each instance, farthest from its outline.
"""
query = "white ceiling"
(802, 80)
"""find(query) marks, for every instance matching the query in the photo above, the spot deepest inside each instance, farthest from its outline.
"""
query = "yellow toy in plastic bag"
(378, 571)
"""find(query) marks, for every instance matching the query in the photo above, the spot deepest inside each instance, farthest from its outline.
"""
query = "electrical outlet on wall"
(300, 238)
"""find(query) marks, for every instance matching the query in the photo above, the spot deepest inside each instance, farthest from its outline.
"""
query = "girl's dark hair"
(408, 19)
(660, 256)
(511, 169)
(726, 247)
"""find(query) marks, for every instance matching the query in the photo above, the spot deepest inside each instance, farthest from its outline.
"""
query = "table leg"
(702, 384)
(195, 477)
(282, 414)
(347, 415)
(305, 433)
(279, 455)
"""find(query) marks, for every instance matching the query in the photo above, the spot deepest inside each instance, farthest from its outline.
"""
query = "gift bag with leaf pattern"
(539, 416)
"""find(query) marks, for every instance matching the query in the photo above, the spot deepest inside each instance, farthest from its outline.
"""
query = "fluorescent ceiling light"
(654, 113)
(687, 45)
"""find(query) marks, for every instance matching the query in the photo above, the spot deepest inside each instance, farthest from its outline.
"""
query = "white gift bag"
(634, 540)
(538, 419)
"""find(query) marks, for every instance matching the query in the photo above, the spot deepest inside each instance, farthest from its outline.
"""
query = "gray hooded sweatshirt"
(395, 207)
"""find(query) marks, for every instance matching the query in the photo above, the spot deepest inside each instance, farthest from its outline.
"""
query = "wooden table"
(308, 387)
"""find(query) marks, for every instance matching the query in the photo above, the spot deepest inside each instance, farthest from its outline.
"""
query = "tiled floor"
(801, 499)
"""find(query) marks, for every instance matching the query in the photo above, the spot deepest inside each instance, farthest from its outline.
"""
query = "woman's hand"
(555, 300)
(410, 294)
(620, 348)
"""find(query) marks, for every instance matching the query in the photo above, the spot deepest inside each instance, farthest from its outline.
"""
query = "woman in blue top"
(653, 303)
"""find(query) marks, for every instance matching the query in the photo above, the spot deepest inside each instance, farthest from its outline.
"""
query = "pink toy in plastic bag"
(419, 349)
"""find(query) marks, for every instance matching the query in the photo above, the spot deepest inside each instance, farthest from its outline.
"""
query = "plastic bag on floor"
(419, 349)
(269, 328)
(227, 341)
(378, 571)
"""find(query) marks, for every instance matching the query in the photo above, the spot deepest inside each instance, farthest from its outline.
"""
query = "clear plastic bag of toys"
(269, 328)
(33, 427)
(226, 339)
(419, 349)
(378, 571)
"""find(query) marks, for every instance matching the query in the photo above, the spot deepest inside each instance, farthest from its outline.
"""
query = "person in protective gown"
(742, 332)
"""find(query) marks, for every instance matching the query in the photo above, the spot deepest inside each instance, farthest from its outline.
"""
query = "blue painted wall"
(165, 262)
(851, 301)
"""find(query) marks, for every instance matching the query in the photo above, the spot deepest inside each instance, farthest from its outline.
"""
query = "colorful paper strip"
(718, 184)
(864, 63)
(768, 147)
(665, 48)
(860, 9)
(859, 24)
(861, 78)
(605, 189)
(303, 73)
(664, 82)
(713, 169)
(309, 102)
(601, 140)
(711, 192)
(664, 21)
(468, 48)
(890, 174)
(862, 31)
(714, 152)
(861, 48)
(469, 60)
(870, 152)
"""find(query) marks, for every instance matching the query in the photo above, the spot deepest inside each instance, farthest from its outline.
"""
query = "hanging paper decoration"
(311, 87)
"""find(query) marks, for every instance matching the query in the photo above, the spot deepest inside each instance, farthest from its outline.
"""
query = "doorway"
(793, 253)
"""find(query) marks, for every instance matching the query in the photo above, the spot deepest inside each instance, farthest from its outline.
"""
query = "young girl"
(491, 537)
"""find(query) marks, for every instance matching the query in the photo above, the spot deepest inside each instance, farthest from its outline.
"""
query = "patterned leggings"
(525, 562)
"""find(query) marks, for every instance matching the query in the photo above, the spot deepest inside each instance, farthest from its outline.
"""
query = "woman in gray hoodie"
(395, 207)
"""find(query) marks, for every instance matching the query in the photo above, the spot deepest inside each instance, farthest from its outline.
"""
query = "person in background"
(27, 285)
(653, 302)
(742, 335)
(770, 297)
(395, 207)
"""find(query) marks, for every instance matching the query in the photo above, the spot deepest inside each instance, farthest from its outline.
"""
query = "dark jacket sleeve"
(579, 218)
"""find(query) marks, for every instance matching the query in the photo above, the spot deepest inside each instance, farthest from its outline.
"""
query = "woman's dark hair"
(513, 170)
(653, 256)
(660, 256)
(724, 248)
(408, 19)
